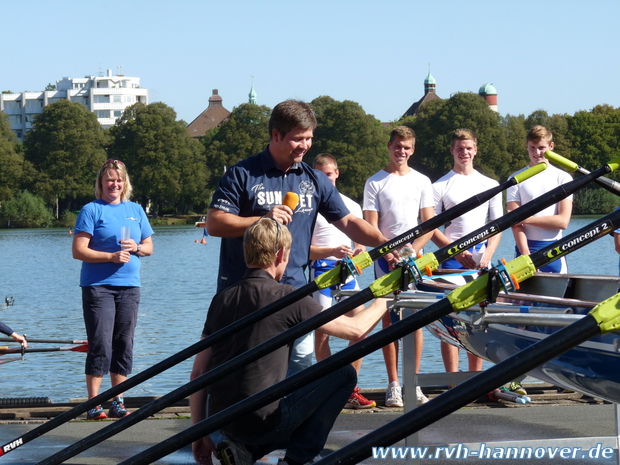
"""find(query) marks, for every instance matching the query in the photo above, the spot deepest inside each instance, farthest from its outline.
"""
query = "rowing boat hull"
(592, 368)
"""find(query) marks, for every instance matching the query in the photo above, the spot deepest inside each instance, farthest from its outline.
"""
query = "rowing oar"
(22, 350)
(46, 341)
(609, 184)
(383, 286)
(509, 275)
(324, 281)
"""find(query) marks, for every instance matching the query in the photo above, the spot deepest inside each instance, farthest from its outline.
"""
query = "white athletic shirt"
(452, 189)
(534, 187)
(327, 235)
(398, 199)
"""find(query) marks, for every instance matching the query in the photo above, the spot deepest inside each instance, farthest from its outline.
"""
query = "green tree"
(355, 138)
(595, 136)
(26, 211)
(244, 133)
(435, 123)
(66, 147)
(11, 160)
(515, 132)
(167, 167)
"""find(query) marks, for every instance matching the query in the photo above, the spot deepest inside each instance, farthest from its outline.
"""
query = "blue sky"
(560, 56)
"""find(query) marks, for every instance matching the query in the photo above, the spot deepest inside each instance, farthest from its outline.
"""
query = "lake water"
(178, 281)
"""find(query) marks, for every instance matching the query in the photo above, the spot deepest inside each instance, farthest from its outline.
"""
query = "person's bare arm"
(81, 251)
(372, 217)
(557, 221)
(518, 231)
(356, 327)
(317, 253)
(492, 245)
(425, 214)
(360, 231)
(617, 242)
(223, 224)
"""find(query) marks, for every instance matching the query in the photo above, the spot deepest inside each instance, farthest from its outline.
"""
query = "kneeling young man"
(299, 422)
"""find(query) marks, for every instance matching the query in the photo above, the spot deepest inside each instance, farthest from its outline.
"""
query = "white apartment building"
(105, 96)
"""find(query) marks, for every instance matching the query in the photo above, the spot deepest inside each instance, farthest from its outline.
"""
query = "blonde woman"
(110, 279)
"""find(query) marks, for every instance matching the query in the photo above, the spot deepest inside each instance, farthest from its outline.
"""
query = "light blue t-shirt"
(103, 221)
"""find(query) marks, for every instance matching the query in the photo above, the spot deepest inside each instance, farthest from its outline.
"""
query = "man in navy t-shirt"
(255, 187)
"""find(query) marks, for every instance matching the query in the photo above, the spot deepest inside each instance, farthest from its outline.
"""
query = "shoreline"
(31, 411)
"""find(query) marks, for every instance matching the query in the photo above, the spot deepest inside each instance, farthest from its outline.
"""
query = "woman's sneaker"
(96, 413)
(358, 401)
(117, 409)
(393, 395)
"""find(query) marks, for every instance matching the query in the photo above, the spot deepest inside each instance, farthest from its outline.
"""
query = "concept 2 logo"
(473, 240)
(402, 240)
(567, 246)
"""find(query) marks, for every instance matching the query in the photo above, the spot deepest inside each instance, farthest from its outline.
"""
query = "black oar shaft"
(46, 341)
(466, 392)
(30, 351)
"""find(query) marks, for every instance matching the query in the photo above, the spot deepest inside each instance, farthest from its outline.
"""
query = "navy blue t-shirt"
(254, 186)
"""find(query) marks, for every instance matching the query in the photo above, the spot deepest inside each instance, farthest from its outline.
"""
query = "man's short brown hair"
(538, 133)
(289, 115)
(403, 132)
(323, 159)
(463, 134)
(259, 242)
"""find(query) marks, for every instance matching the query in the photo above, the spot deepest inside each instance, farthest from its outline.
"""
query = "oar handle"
(528, 173)
(562, 162)
(568, 165)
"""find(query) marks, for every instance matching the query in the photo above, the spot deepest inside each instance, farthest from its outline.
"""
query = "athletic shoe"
(422, 399)
(394, 395)
(96, 413)
(233, 453)
(358, 401)
(117, 409)
(515, 386)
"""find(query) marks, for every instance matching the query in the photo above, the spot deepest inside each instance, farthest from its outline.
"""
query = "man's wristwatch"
(139, 248)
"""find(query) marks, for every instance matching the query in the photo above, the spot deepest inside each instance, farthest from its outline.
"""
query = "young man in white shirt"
(461, 183)
(394, 198)
(546, 226)
(327, 247)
